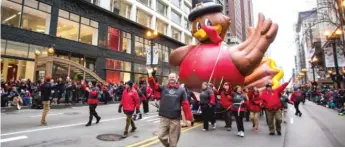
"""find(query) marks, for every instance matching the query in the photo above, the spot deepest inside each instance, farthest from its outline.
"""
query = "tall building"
(241, 14)
(167, 17)
(91, 42)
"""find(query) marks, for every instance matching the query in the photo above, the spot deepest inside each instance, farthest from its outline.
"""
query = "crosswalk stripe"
(13, 139)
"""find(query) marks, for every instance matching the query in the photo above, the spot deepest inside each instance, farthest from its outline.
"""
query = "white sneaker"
(204, 130)
(239, 133)
(242, 134)
(214, 126)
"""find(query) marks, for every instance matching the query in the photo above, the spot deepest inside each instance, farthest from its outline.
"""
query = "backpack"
(299, 96)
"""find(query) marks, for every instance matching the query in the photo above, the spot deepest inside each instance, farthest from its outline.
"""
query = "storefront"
(103, 42)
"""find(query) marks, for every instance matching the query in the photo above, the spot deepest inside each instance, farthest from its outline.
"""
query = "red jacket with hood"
(130, 100)
(271, 100)
(226, 99)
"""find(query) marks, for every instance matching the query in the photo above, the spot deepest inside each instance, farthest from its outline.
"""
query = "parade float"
(211, 60)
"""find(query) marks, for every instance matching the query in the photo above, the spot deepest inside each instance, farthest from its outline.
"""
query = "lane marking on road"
(56, 127)
(153, 140)
(156, 121)
(144, 118)
(13, 139)
(47, 115)
(151, 120)
(291, 120)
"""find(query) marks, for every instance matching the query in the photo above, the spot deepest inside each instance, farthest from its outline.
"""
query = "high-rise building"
(241, 14)
(167, 17)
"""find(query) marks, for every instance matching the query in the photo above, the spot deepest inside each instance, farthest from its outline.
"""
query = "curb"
(55, 106)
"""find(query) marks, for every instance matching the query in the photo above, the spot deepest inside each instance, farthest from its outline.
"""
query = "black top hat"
(202, 7)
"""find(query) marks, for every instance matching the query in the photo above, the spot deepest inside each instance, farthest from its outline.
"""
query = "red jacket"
(149, 92)
(253, 103)
(130, 100)
(271, 100)
(226, 100)
(93, 97)
(293, 96)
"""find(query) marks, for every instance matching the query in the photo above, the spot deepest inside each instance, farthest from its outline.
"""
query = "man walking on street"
(172, 98)
(297, 97)
(46, 89)
(271, 100)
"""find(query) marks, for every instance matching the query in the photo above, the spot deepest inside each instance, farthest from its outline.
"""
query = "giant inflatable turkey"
(211, 60)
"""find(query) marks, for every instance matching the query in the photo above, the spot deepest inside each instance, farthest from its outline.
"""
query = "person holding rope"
(226, 103)
(238, 108)
(207, 102)
(254, 106)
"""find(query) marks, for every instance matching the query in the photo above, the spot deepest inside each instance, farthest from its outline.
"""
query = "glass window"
(139, 77)
(85, 21)
(113, 39)
(10, 13)
(146, 2)
(126, 42)
(125, 10)
(45, 7)
(17, 69)
(34, 48)
(165, 54)
(161, 8)
(3, 46)
(161, 27)
(117, 76)
(17, 49)
(118, 65)
(186, 9)
(139, 68)
(166, 72)
(36, 20)
(64, 14)
(88, 35)
(187, 39)
(94, 24)
(176, 34)
(67, 29)
(143, 18)
(31, 3)
(175, 17)
(139, 47)
(74, 17)
(17, 1)
(186, 24)
(160, 52)
(176, 3)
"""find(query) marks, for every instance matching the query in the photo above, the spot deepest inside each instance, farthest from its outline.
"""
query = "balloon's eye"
(208, 22)
(198, 25)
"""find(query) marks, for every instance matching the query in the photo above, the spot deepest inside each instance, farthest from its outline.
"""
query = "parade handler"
(173, 97)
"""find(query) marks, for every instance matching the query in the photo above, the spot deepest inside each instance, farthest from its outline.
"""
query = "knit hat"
(47, 79)
(130, 83)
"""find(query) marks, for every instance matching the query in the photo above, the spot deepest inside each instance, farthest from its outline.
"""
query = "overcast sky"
(285, 14)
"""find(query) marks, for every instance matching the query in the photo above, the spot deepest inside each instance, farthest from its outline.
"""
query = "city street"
(319, 126)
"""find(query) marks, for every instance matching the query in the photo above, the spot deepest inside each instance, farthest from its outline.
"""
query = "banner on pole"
(329, 58)
(155, 55)
(148, 56)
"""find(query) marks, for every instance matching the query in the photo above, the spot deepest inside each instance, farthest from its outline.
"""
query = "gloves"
(137, 111)
(120, 108)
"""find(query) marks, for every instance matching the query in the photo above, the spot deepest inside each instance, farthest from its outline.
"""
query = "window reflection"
(143, 18)
(176, 34)
(161, 26)
(10, 13)
(117, 76)
(67, 29)
(140, 46)
(17, 49)
(118, 65)
(88, 34)
(36, 20)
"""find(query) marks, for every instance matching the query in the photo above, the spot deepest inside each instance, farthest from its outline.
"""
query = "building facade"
(101, 40)
(167, 17)
(241, 14)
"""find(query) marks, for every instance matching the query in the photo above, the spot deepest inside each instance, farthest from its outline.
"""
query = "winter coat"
(296, 96)
(271, 100)
(46, 90)
(93, 96)
(130, 100)
(226, 99)
(238, 102)
(254, 103)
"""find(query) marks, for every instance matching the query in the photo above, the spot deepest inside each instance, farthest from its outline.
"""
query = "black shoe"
(99, 118)
(253, 125)
(140, 116)
(296, 114)
(125, 135)
(279, 133)
(133, 130)
(88, 124)
(272, 134)
(300, 114)
(192, 123)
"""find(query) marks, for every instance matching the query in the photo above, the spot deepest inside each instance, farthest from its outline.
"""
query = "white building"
(167, 17)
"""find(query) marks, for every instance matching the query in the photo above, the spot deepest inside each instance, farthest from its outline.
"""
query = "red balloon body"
(199, 63)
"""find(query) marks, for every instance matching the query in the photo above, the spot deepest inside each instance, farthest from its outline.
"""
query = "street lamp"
(312, 62)
(151, 35)
(334, 37)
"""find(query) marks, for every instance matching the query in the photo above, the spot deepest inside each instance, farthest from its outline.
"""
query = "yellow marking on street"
(146, 143)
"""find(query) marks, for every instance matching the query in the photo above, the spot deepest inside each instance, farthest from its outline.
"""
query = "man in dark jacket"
(46, 89)
(173, 97)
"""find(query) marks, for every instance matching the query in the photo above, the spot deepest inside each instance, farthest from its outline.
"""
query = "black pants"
(239, 120)
(228, 118)
(145, 106)
(296, 104)
(214, 116)
(207, 115)
(247, 113)
(92, 109)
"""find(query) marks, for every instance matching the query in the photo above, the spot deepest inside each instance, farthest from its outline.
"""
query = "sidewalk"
(54, 106)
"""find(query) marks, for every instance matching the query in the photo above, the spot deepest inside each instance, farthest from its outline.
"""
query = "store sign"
(329, 58)
(155, 56)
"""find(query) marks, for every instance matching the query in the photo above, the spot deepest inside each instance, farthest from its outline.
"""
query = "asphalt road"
(318, 127)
